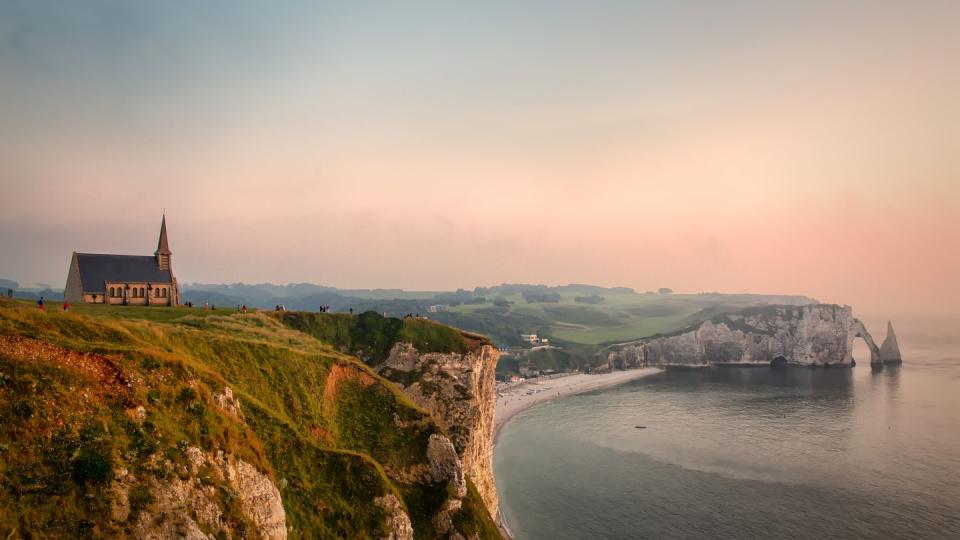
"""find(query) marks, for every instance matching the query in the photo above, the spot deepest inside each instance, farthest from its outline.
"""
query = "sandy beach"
(518, 397)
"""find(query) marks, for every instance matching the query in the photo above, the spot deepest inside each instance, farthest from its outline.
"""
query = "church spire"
(163, 248)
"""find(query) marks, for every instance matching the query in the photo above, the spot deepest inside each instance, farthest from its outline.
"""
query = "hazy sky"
(792, 147)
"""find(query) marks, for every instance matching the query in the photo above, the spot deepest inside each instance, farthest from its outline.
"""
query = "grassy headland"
(331, 433)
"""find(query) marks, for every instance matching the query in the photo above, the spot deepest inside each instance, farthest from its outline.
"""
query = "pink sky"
(806, 150)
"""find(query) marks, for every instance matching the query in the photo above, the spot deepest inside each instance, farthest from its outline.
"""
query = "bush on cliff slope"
(86, 399)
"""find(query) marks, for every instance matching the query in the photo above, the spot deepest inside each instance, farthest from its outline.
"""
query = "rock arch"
(860, 331)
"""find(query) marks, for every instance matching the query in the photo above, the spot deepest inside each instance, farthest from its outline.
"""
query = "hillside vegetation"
(581, 319)
(89, 397)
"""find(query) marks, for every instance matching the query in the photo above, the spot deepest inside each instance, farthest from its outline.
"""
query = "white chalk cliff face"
(459, 390)
(812, 335)
(187, 500)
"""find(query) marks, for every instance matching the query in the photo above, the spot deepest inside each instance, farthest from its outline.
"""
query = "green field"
(621, 317)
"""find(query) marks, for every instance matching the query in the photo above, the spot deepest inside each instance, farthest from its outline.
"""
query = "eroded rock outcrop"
(187, 501)
(859, 330)
(890, 350)
(398, 520)
(812, 335)
(460, 391)
(445, 464)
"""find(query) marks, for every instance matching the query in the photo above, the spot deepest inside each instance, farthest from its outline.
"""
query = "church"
(135, 280)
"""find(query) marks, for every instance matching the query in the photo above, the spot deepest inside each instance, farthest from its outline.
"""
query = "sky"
(772, 147)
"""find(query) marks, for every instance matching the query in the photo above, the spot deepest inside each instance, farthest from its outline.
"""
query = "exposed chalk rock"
(443, 521)
(459, 390)
(811, 335)
(229, 403)
(445, 464)
(398, 520)
(890, 350)
(183, 507)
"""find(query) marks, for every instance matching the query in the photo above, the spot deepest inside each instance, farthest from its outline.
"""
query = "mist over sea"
(748, 453)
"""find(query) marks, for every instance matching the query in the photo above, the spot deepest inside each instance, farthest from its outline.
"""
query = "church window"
(141, 292)
(111, 291)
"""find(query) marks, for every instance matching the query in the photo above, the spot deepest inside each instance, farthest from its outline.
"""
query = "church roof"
(98, 269)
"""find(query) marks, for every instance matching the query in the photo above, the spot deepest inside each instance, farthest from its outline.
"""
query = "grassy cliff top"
(370, 336)
(329, 431)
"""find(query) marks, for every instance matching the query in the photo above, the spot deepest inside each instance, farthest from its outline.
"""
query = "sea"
(746, 453)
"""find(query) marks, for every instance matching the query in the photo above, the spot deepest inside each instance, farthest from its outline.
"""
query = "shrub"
(23, 409)
(92, 466)
(140, 498)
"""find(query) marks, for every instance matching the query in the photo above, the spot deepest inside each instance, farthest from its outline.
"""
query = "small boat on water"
(640, 427)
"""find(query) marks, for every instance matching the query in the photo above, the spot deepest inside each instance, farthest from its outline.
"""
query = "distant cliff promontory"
(811, 335)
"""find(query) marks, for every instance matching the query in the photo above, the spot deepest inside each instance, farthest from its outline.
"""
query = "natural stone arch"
(860, 331)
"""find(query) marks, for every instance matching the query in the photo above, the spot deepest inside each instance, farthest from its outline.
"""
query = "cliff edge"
(459, 389)
(171, 422)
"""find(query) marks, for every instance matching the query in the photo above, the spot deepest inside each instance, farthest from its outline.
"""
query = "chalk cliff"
(459, 390)
(812, 335)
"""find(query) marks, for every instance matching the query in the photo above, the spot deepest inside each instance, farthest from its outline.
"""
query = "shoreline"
(520, 397)
(517, 398)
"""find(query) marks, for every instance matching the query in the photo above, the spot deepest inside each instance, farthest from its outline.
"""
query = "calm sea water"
(745, 453)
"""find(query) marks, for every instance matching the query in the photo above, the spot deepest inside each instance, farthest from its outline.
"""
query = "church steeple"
(163, 248)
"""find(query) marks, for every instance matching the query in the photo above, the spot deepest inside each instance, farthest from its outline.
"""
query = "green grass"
(370, 336)
(332, 433)
(621, 317)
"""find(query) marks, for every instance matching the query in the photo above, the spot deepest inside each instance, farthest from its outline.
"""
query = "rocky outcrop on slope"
(813, 335)
(890, 350)
(399, 521)
(190, 500)
(187, 501)
(459, 390)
